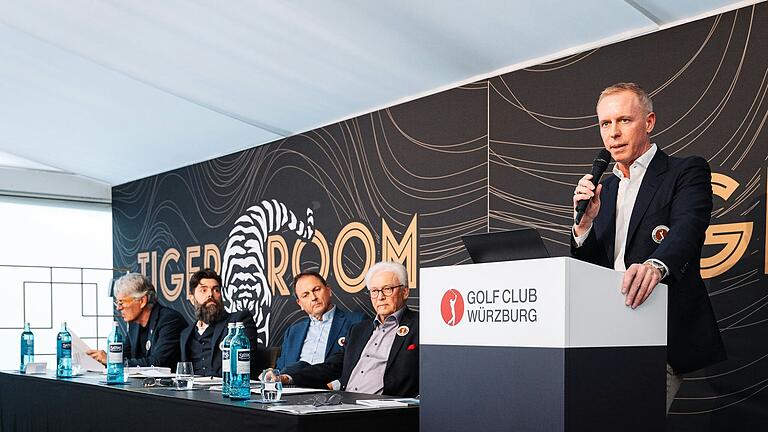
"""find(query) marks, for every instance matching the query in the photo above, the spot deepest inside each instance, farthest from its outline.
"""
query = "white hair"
(137, 286)
(390, 266)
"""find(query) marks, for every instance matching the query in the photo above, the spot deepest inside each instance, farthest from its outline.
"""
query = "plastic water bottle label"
(115, 353)
(226, 366)
(243, 362)
(66, 349)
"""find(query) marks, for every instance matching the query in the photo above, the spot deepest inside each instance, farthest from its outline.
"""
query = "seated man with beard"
(200, 341)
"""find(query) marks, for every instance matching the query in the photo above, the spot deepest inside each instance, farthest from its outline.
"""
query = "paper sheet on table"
(381, 403)
(309, 409)
(151, 372)
(292, 390)
(217, 386)
(80, 357)
(208, 380)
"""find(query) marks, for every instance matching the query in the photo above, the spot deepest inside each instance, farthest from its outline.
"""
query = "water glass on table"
(126, 373)
(77, 368)
(185, 376)
(271, 386)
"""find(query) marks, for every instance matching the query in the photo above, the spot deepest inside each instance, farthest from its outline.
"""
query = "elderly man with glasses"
(381, 355)
(153, 329)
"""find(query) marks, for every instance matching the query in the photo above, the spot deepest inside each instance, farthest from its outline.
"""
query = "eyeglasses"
(125, 302)
(324, 400)
(387, 291)
(157, 382)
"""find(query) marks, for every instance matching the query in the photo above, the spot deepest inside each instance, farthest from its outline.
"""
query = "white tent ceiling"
(113, 91)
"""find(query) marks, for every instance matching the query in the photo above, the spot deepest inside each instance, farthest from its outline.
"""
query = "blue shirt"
(313, 350)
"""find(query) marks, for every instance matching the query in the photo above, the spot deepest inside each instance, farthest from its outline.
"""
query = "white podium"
(539, 345)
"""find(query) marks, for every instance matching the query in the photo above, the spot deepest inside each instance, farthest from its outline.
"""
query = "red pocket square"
(411, 347)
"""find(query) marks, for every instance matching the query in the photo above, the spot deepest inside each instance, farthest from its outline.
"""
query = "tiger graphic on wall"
(244, 276)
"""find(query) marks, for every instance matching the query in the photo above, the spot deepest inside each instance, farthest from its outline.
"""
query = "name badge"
(403, 330)
(659, 233)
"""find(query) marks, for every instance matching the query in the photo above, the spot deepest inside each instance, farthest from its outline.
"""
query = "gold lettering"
(177, 279)
(143, 259)
(723, 186)
(735, 236)
(350, 231)
(322, 246)
(276, 272)
(192, 252)
(404, 252)
(153, 259)
(211, 252)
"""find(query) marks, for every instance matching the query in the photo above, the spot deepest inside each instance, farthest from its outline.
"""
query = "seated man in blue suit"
(200, 341)
(381, 355)
(313, 339)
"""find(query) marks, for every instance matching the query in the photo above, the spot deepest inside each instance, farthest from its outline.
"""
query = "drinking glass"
(125, 370)
(77, 368)
(184, 376)
(271, 386)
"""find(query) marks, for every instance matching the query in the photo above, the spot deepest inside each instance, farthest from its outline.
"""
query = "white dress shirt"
(625, 203)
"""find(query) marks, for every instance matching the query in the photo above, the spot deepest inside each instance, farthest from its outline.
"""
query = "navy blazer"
(164, 327)
(676, 193)
(401, 377)
(213, 363)
(293, 340)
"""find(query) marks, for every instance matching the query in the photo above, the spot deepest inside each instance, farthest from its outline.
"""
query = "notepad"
(388, 403)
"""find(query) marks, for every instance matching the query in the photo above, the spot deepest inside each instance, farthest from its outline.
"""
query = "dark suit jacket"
(293, 341)
(677, 193)
(219, 333)
(401, 377)
(164, 327)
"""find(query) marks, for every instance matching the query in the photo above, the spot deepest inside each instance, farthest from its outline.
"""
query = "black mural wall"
(406, 182)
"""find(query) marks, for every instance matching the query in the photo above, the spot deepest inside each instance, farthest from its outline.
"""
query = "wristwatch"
(657, 265)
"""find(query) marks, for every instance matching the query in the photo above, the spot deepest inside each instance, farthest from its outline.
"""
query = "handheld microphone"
(598, 168)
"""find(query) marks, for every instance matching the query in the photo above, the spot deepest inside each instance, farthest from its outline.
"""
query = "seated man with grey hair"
(153, 329)
(381, 355)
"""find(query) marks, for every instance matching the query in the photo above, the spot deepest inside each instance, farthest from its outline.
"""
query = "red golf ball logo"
(452, 307)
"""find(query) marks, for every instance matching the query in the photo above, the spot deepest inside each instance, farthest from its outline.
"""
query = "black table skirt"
(43, 403)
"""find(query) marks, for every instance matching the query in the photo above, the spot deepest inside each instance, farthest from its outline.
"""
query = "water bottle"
(27, 348)
(64, 352)
(115, 368)
(240, 349)
(226, 363)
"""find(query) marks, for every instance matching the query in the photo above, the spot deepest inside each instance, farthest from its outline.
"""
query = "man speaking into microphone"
(649, 219)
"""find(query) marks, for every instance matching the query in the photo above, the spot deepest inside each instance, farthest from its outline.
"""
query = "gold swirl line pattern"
(510, 159)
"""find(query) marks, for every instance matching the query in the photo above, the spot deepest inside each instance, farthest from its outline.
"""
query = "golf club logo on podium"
(452, 307)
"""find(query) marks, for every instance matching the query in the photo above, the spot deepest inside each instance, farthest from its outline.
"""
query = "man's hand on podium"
(638, 284)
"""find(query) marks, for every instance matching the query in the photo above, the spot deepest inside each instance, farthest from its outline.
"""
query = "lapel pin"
(342, 341)
(402, 330)
(148, 345)
(659, 233)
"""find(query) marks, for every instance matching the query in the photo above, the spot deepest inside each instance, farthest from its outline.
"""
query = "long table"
(46, 403)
